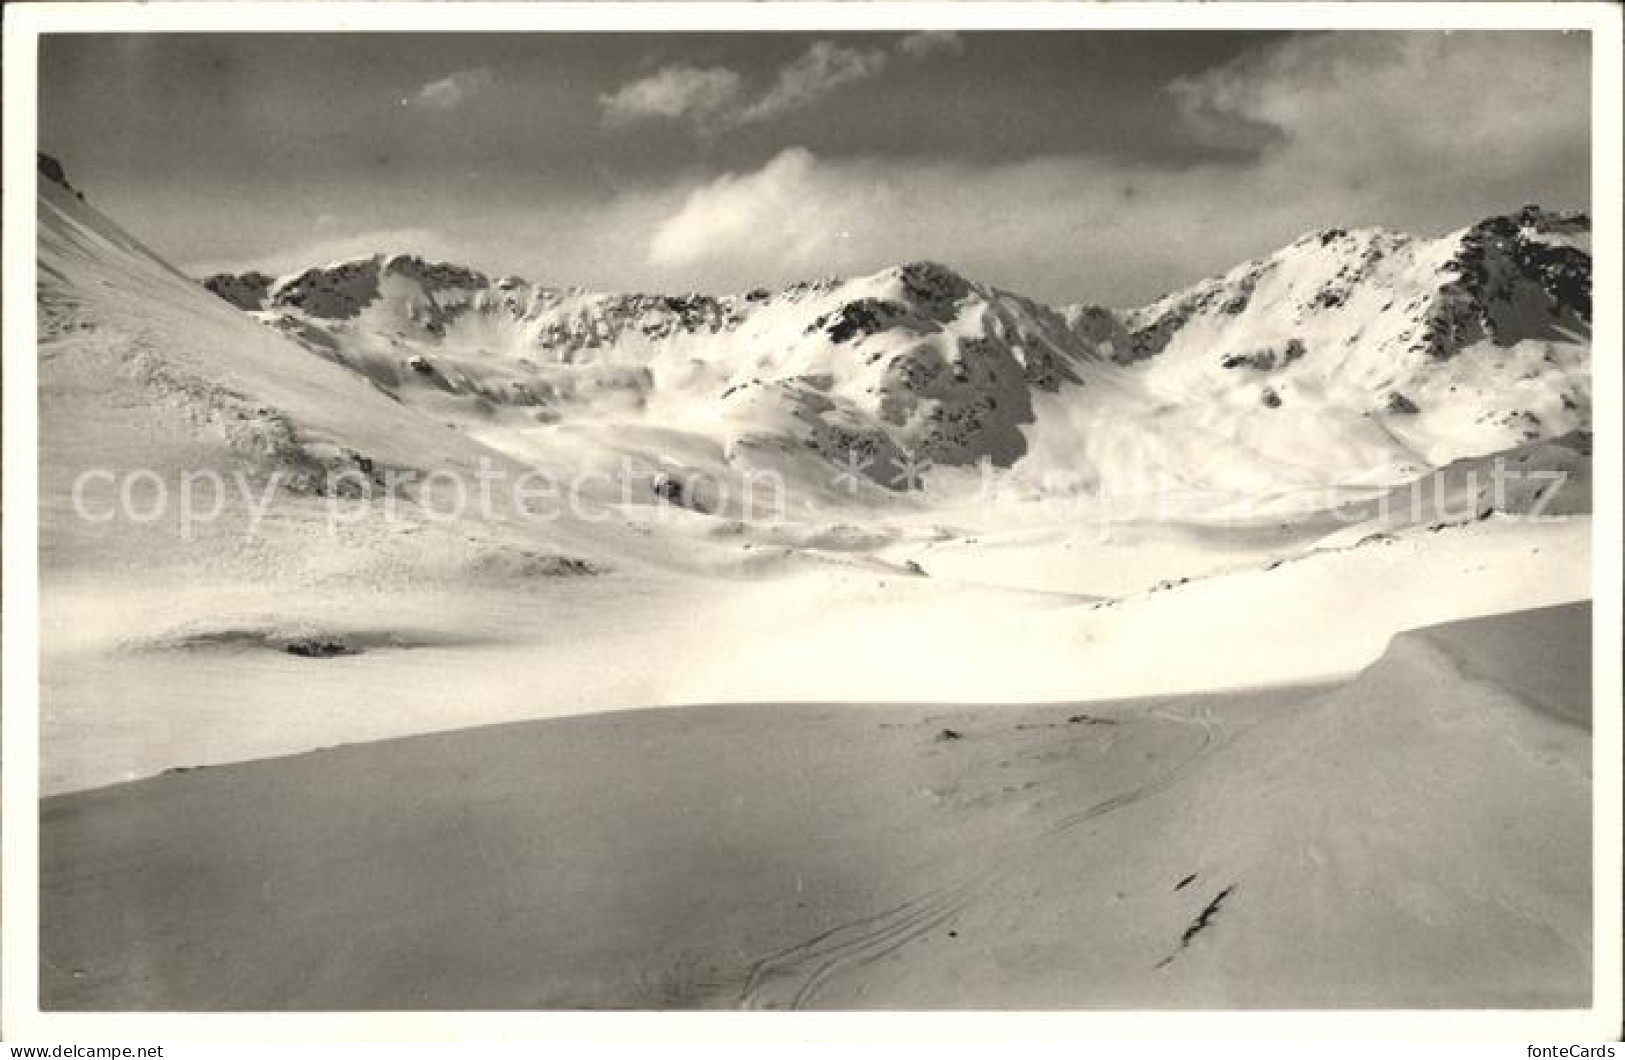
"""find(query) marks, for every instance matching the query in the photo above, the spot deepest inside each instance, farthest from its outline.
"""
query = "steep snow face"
(140, 368)
(142, 371)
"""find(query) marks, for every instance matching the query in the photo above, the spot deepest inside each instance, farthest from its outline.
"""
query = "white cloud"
(698, 94)
(1422, 132)
(800, 216)
(1384, 108)
(931, 43)
(713, 98)
(789, 212)
(820, 70)
(451, 91)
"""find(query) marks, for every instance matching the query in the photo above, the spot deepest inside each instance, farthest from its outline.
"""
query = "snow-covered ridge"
(1363, 352)
(1505, 279)
(914, 359)
(1440, 348)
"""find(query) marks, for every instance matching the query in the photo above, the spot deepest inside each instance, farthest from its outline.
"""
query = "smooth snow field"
(139, 677)
(1340, 844)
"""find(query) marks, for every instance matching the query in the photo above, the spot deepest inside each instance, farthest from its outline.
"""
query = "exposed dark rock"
(248, 290)
(864, 316)
(676, 491)
(1401, 405)
(1498, 258)
(1203, 921)
(316, 648)
(1266, 359)
(52, 170)
(932, 287)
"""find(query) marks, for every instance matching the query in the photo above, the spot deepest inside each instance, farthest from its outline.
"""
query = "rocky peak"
(435, 274)
(1512, 277)
(337, 291)
(566, 325)
(247, 291)
(932, 287)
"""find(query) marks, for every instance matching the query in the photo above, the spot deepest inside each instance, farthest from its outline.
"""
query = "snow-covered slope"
(1414, 836)
(155, 395)
(1348, 356)
(170, 644)
(914, 363)
(1449, 347)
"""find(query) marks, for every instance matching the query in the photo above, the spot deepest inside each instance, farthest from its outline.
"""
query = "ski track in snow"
(794, 978)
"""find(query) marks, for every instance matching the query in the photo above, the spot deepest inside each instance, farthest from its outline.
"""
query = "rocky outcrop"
(341, 291)
(1265, 359)
(1511, 280)
(248, 291)
(1400, 405)
(52, 170)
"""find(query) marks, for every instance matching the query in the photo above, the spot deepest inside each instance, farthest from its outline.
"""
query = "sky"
(1094, 166)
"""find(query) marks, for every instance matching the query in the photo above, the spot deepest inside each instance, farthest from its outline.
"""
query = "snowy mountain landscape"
(415, 635)
(920, 363)
(965, 476)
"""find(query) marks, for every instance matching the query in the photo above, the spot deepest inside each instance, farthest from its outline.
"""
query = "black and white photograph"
(851, 508)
